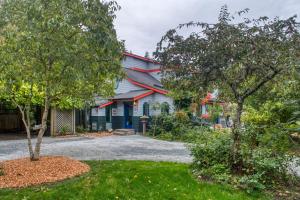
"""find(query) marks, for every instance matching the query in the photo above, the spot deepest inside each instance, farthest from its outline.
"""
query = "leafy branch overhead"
(240, 57)
(237, 58)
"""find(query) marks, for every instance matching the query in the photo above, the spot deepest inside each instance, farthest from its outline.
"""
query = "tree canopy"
(238, 58)
(57, 53)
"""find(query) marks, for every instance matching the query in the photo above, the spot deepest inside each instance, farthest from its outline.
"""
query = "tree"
(237, 58)
(56, 53)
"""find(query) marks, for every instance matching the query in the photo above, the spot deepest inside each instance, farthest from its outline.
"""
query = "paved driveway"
(133, 147)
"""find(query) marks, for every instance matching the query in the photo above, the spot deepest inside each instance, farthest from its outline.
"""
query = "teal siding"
(117, 122)
(100, 123)
(136, 124)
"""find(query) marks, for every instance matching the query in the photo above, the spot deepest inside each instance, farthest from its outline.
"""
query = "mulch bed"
(23, 172)
(98, 134)
(87, 134)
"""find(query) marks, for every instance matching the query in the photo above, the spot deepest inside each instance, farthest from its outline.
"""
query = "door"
(128, 113)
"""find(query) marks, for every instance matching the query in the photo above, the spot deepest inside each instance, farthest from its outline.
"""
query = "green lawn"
(131, 180)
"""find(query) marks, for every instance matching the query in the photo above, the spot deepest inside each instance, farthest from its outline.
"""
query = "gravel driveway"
(132, 147)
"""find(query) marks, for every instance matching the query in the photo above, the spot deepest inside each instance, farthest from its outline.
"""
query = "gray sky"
(142, 23)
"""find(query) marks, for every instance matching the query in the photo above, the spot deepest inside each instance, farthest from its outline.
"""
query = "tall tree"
(56, 53)
(237, 58)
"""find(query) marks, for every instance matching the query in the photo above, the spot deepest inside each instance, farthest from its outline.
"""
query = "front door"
(128, 113)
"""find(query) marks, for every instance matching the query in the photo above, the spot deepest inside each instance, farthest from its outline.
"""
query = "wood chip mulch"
(98, 134)
(23, 172)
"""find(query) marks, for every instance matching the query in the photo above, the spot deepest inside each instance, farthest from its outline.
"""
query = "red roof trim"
(140, 57)
(147, 86)
(142, 95)
(145, 70)
(106, 104)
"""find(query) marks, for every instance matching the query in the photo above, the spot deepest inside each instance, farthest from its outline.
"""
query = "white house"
(136, 95)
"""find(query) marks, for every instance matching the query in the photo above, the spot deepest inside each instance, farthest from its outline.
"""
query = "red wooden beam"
(147, 86)
(142, 95)
(106, 104)
(145, 70)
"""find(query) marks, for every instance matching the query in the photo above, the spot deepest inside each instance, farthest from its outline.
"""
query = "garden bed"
(86, 134)
(98, 134)
(23, 172)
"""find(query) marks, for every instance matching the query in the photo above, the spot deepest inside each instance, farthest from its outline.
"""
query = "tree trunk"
(27, 127)
(237, 160)
(36, 154)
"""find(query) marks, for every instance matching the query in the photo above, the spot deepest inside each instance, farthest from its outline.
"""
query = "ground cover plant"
(132, 180)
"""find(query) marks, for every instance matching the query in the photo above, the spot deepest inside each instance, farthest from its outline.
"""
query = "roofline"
(142, 95)
(138, 97)
(145, 70)
(147, 86)
(140, 57)
(106, 104)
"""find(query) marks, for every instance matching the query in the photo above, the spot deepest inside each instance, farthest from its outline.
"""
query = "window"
(165, 108)
(146, 109)
(108, 114)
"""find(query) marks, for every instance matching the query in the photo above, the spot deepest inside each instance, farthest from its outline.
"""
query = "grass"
(132, 180)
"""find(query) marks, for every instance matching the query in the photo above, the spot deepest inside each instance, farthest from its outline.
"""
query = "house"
(139, 93)
(214, 110)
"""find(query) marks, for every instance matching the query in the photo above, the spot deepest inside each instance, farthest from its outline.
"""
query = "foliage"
(214, 111)
(57, 53)
(238, 58)
(265, 166)
(132, 180)
(80, 129)
(64, 130)
(176, 126)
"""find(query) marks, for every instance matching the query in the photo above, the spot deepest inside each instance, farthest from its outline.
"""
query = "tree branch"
(269, 77)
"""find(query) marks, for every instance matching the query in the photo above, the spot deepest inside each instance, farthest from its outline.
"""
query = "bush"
(265, 164)
(179, 125)
(166, 136)
(167, 124)
(211, 148)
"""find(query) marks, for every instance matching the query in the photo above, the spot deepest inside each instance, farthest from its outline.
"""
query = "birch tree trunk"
(36, 154)
(27, 124)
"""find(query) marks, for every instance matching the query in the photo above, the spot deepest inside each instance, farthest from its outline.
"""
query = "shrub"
(166, 136)
(173, 124)
(265, 163)
(80, 129)
(211, 148)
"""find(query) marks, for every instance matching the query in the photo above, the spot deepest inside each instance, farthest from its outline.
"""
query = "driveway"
(132, 147)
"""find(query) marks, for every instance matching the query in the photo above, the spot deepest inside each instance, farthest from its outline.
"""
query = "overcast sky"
(142, 23)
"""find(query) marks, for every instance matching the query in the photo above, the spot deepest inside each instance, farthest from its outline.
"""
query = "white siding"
(119, 111)
(139, 110)
(98, 112)
(129, 62)
(156, 75)
(161, 99)
(152, 100)
(126, 86)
